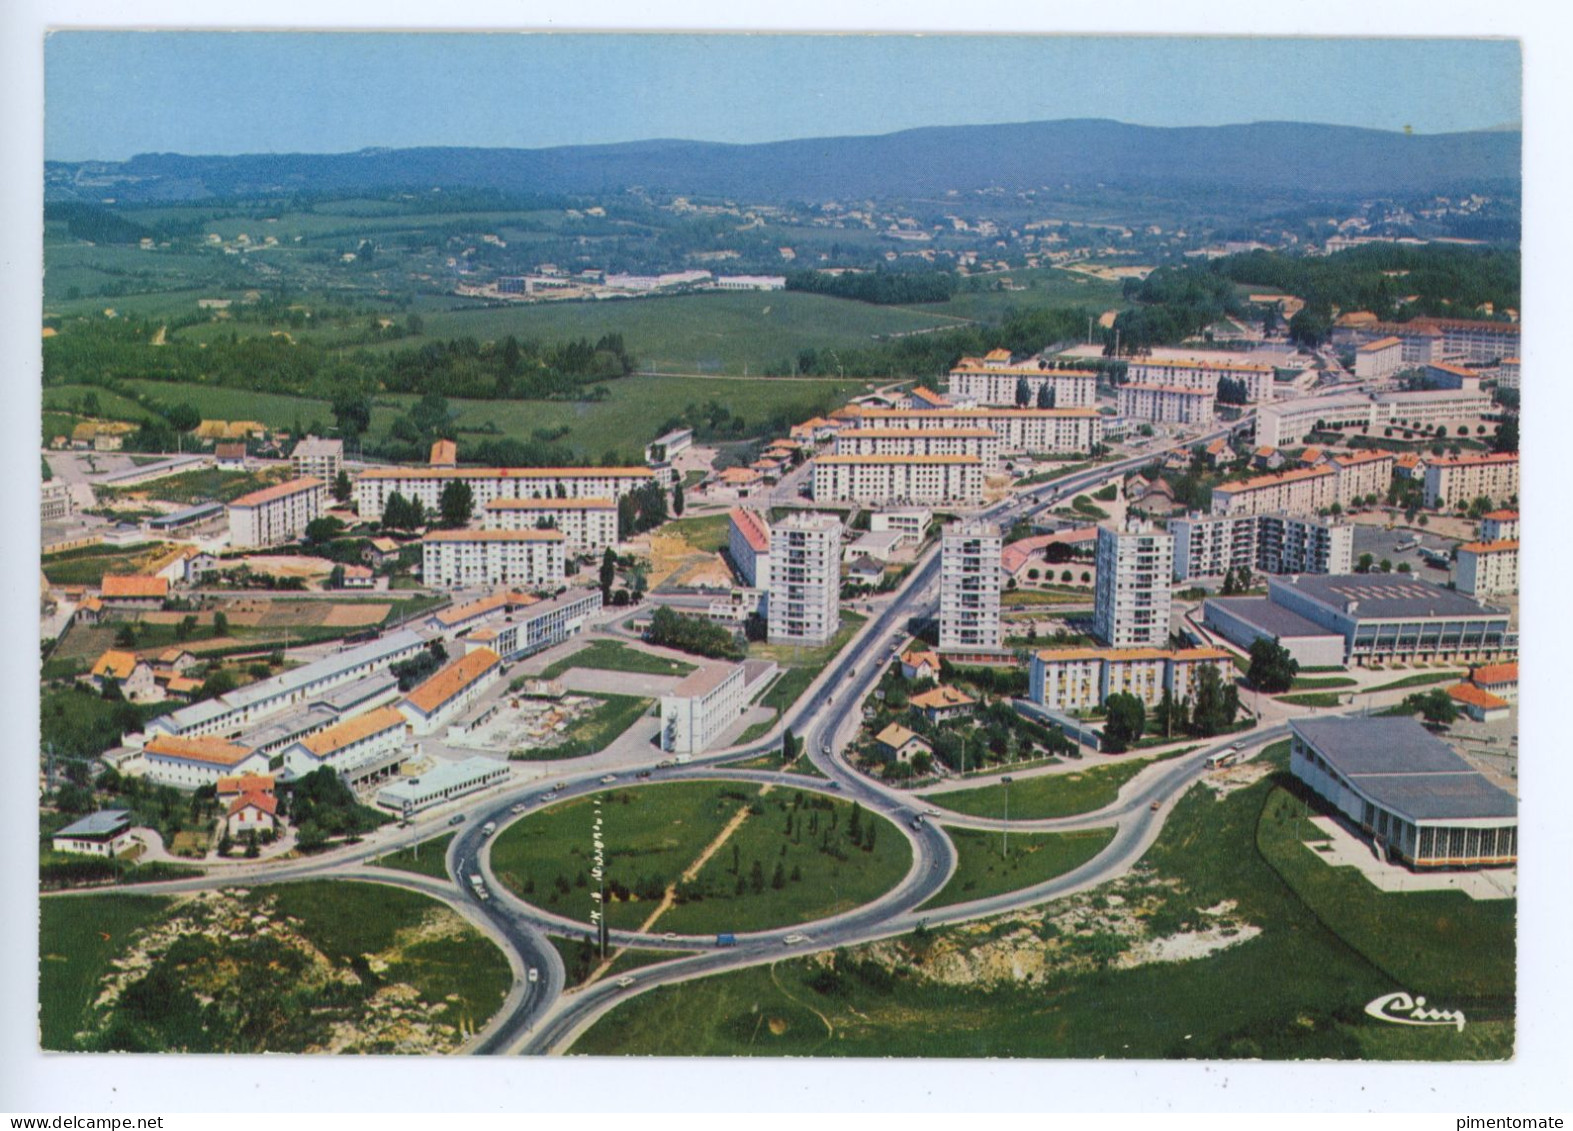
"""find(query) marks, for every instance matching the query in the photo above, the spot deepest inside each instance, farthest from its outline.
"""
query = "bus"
(1228, 756)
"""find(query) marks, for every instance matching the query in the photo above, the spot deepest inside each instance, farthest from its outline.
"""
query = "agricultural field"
(190, 487)
(1047, 795)
(88, 564)
(983, 869)
(1031, 288)
(1148, 967)
(321, 966)
(723, 849)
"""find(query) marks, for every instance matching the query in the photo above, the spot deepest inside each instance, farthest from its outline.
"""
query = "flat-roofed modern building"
(1133, 588)
(459, 559)
(805, 579)
(1486, 569)
(587, 524)
(1364, 619)
(880, 480)
(969, 587)
(375, 485)
(104, 833)
(1407, 790)
(748, 545)
(1209, 545)
(276, 514)
(1166, 404)
(319, 458)
(914, 523)
(1451, 480)
(700, 708)
(446, 782)
(526, 628)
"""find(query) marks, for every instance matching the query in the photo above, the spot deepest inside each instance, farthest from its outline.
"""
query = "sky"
(112, 94)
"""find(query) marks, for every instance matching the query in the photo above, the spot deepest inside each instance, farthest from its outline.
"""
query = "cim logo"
(1401, 1009)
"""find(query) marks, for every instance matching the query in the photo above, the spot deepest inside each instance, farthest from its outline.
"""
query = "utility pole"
(1005, 832)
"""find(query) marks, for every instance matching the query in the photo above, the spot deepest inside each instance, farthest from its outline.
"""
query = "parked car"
(608, 779)
(456, 819)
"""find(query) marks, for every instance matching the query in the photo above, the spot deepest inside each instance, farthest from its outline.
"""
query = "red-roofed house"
(133, 591)
(943, 703)
(1482, 706)
(748, 545)
(252, 812)
(1500, 680)
(920, 663)
(134, 676)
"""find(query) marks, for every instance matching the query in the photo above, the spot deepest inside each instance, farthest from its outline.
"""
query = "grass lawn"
(791, 655)
(580, 958)
(601, 727)
(1314, 683)
(77, 939)
(982, 871)
(89, 564)
(1050, 795)
(1452, 945)
(610, 655)
(1313, 699)
(1028, 598)
(347, 919)
(1296, 991)
(655, 833)
(707, 534)
(199, 486)
(428, 858)
(1419, 680)
(787, 688)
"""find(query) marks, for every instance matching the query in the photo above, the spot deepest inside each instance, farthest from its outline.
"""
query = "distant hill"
(1280, 158)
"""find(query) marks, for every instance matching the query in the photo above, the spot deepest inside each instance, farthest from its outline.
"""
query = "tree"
(456, 503)
(756, 877)
(788, 746)
(1213, 713)
(1163, 715)
(183, 418)
(855, 825)
(220, 625)
(352, 412)
(1507, 436)
(608, 574)
(677, 499)
(126, 635)
(187, 625)
(342, 488)
(1046, 395)
(1126, 719)
(778, 877)
(1023, 393)
(1272, 668)
(1308, 327)
(324, 529)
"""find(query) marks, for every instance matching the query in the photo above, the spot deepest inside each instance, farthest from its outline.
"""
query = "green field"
(612, 656)
(982, 869)
(428, 858)
(88, 564)
(632, 413)
(707, 534)
(1048, 795)
(1314, 683)
(1313, 699)
(1296, 991)
(655, 833)
(74, 955)
(1033, 287)
(111, 406)
(798, 656)
(1420, 680)
(198, 486)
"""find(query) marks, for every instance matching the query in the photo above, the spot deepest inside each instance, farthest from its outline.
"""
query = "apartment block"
(982, 443)
(1462, 479)
(1166, 404)
(881, 480)
(1487, 569)
(1380, 359)
(805, 579)
(1081, 679)
(748, 545)
(587, 524)
(699, 709)
(461, 559)
(314, 456)
(991, 380)
(1042, 430)
(1132, 590)
(1183, 373)
(969, 587)
(276, 514)
(1211, 545)
(376, 485)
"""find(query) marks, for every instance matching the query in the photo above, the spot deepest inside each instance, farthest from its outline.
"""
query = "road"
(540, 1018)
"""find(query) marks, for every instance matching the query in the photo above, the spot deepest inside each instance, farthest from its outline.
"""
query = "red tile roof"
(134, 585)
(451, 680)
(752, 528)
(278, 491)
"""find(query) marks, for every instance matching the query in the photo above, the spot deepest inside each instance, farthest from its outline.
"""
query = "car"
(624, 982)
(644, 773)
(931, 812)
(665, 764)
(535, 975)
(1155, 806)
(669, 935)
(793, 940)
(608, 779)
(832, 785)
(517, 809)
(456, 819)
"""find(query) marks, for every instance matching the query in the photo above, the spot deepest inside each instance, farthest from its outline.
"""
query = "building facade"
(881, 480)
(991, 380)
(748, 545)
(700, 708)
(276, 514)
(589, 525)
(1211, 545)
(1166, 404)
(1082, 679)
(1451, 480)
(981, 443)
(459, 559)
(1487, 569)
(969, 587)
(318, 458)
(805, 579)
(1184, 373)
(1132, 591)
(376, 485)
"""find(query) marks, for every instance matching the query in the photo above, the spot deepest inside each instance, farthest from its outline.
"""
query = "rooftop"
(1175, 389)
(375, 473)
(1263, 615)
(917, 461)
(318, 447)
(444, 453)
(439, 778)
(896, 736)
(1498, 547)
(941, 697)
(1401, 766)
(452, 679)
(462, 535)
(1476, 697)
(116, 664)
(752, 528)
(277, 491)
(1492, 674)
(1378, 597)
(134, 585)
(551, 504)
(703, 681)
(1380, 344)
(105, 822)
(215, 751)
(458, 614)
(1293, 475)
(343, 734)
(1502, 516)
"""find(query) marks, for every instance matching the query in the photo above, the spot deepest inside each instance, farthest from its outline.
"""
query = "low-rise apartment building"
(460, 559)
(979, 442)
(589, 525)
(1487, 569)
(448, 693)
(1186, 373)
(376, 485)
(1380, 359)
(1452, 480)
(276, 514)
(990, 380)
(880, 480)
(1082, 679)
(748, 545)
(1210, 545)
(1166, 404)
(318, 458)
(1045, 431)
(529, 626)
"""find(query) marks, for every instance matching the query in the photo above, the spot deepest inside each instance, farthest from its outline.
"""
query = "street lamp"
(1005, 831)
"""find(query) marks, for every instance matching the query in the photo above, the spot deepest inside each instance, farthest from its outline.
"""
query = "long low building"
(462, 559)
(879, 480)
(748, 545)
(587, 524)
(189, 763)
(1288, 424)
(702, 705)
(957, 440)
(451, 691)
(1340, 479)
(1081, 679)
(1406, 789)
(376, 485)
(446, 782)
(231, 713)
(1451, 480)
(358, 749)
(1209, 545)
(528, 627)
(276, 514)
(1366, 619)
(1044, 431)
